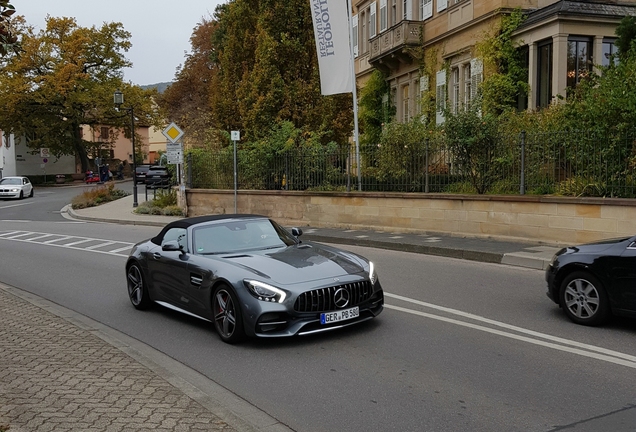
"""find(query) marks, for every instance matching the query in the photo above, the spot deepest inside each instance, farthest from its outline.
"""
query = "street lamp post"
(119, 101)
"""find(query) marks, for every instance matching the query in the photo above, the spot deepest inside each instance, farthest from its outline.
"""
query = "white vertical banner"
(331, 30)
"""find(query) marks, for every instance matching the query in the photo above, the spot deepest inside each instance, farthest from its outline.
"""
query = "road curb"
(481, 256)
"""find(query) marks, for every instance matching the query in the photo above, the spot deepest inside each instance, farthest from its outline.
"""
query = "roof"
(188, 222)
(580, 8)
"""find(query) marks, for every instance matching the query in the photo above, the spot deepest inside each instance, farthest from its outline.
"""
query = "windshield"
(11, 181)
(240, 236)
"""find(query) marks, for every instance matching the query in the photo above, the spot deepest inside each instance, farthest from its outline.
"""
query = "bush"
(97, 196)
(164, 204)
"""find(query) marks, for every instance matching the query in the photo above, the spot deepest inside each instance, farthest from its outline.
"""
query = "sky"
(160, 29)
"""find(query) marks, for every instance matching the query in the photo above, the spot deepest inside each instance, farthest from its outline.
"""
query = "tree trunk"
(80, 148)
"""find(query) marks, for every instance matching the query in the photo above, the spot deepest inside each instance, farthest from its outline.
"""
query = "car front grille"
(322, 299)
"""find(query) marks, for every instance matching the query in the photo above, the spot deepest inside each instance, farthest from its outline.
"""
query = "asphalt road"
(461, 345)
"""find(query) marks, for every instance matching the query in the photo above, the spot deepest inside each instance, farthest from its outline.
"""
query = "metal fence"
(564, 163)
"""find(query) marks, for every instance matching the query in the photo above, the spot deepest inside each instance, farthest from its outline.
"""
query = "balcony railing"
(389, 45)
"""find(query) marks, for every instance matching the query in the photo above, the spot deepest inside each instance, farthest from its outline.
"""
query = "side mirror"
(296, 232)
(171, 246)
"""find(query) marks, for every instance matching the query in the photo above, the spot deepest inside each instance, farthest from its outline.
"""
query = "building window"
(467, 85)
(524, 57)
(372, 22)
(544, 74)
(423, 90)
(407, 9)
(393, 12)
(426, 9)
(103, 133)
(383, 16)
(455, 99)
(354, 24)
(440, 96)
(579, 60)
(610, 52)
(363, 33)
(405, 104)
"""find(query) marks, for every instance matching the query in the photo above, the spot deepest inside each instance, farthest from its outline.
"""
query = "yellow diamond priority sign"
(173, 133)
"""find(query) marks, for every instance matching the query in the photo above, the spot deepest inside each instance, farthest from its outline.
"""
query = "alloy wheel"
(224, 314)
(582, 298)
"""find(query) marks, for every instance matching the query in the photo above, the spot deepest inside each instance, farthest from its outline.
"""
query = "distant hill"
(161, 87)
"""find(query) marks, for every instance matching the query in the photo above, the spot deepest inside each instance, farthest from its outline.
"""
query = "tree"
(64, 78)
(376, 110)
(626, 32)
(505, 76)
(268, 72)
(187, 99)
(8, 39)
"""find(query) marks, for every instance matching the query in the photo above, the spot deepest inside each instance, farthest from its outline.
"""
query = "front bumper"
(550, 278)
(9, 194)
(277, 320)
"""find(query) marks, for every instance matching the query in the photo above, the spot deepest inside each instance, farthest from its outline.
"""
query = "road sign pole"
(235, 135)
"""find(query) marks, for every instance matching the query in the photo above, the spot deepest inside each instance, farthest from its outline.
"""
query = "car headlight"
(265, 292)
(372, 274)
(14, 189)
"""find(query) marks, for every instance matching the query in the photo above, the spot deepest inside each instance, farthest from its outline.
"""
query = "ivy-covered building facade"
(426, 49)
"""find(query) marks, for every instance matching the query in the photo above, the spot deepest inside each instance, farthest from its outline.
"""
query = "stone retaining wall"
(548, 219)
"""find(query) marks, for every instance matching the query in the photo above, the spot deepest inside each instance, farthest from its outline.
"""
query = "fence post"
(426, 168)
(522, 188)
(348, 168)
(190, 170)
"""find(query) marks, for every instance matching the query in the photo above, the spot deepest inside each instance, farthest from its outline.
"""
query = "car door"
(28, 187)
(625, 278)
(168, 270)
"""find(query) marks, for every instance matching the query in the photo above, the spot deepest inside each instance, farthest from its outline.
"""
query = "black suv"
(140, 173)
(158, 177)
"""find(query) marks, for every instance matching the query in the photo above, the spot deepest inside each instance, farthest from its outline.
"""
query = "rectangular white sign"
(331, 31)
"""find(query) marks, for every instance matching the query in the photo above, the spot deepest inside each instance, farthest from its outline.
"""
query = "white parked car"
(15, 187)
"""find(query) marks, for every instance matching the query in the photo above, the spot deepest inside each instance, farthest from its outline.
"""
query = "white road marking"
(121, 249)
(99, 245)
(17, 205)
(77, 242)
(603, 353)
(56, 239)
(590, 354)
(40, 237)
(18, 236)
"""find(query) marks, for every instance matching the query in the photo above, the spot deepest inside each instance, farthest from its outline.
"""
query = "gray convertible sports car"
(251, 277)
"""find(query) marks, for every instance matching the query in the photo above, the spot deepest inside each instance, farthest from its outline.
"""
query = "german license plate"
(341, 315)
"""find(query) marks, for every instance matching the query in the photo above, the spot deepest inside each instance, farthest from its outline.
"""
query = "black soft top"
(188, 222)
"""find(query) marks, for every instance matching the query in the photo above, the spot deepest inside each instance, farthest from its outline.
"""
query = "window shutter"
(372, 21)
(424, 84)
(476, 76)
(441, 5)
(354, 24)
(427, 9)
(423, 90)
(440, 95)
(383, 16)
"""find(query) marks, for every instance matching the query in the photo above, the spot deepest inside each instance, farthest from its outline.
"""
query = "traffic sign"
(44, 152)
(235, 135)
(173, 133)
